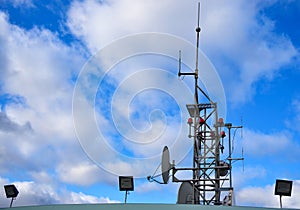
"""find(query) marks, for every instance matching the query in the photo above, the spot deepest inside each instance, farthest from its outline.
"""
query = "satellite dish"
(185, 194)
(165, 165)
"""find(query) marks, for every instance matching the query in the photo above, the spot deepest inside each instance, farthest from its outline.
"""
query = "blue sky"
(55, 58)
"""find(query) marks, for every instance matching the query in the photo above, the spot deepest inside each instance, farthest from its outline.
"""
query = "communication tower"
(211, 176)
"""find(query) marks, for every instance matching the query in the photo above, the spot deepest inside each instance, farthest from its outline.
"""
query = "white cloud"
(242, 175)
(244, 45)
(39, 69)
(261, 144)
(7, 125)
(20, 3)
(237, 35)
(34, 193)
(264, 196)
(148, 187)
(253, 47)
(82, 173)
(257, 196)
(97, 24)
(80, 197)
(37, 66)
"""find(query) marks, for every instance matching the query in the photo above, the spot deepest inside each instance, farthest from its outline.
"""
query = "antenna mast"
(211, 176)
(198, 29)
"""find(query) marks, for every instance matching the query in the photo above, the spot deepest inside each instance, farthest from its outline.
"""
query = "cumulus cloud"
(148, 187)
(259, 144)
(263, 144)
(36, 122)
(245, 173)
(244, 45)
(88, 19)
(33, 193)
(21, 3)
(254, 49)
(7, 125)
(264, 196)
(39, 69)
(74, 173)
(263, 153)
(42, 77)
(238, 37)
(83, 198)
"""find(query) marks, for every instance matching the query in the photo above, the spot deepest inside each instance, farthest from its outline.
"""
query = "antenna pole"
(179, 64)
(195, 74)
(198, 29)
(196, 146)
(197, 56)
(230, 151)
(229, 127)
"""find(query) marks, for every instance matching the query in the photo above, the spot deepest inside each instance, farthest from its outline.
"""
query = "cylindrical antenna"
(197, 55)
(198, 29)
(198, 13)
(179, 64)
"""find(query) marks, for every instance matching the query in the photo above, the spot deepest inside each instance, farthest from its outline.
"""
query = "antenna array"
(211, 176)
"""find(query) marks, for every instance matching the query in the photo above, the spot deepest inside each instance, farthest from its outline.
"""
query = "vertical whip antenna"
(198, 29)
(197, 55)
(179, 64)
(242, 125)
(243, 159)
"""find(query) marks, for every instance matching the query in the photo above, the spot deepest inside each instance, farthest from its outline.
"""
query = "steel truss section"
(206, 156)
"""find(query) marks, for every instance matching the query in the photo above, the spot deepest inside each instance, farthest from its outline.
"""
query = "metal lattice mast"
(206, 152)
(210, 175)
